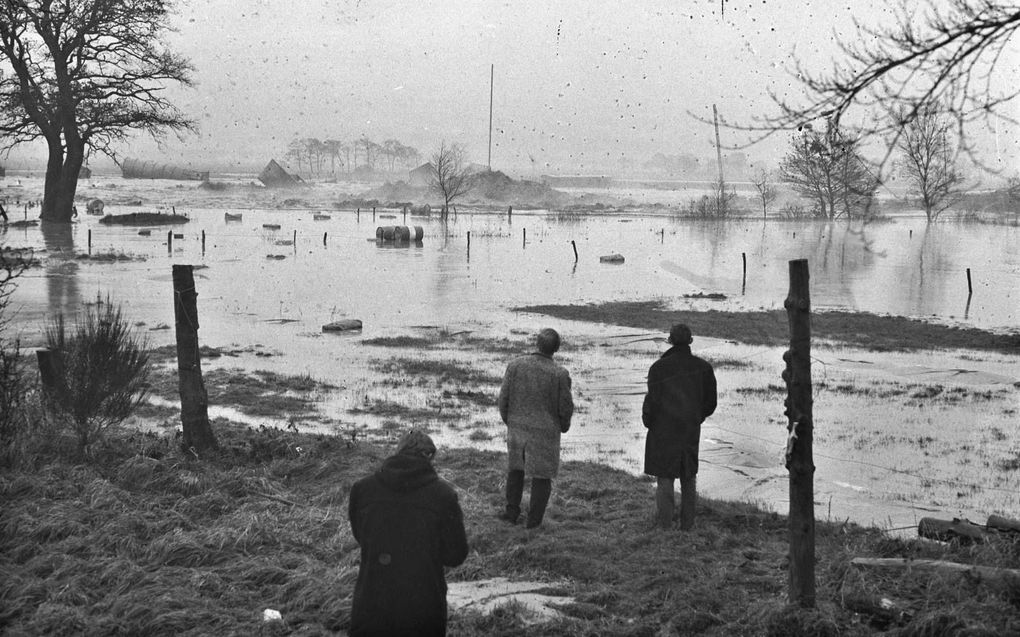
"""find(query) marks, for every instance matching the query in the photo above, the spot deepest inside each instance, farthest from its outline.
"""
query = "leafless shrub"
(99, 371)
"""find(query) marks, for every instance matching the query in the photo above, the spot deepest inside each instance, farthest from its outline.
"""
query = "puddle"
(485, 596)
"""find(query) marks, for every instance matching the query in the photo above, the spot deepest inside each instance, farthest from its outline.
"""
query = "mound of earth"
(495, 186)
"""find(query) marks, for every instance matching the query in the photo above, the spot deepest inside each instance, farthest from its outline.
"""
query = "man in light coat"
(536, 405)
(681, 395)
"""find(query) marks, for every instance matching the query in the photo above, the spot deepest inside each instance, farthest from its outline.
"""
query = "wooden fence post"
(799, 460)
(198, 434)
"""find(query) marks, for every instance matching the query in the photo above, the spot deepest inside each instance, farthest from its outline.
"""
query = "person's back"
(536, 383)
(409, 525)
(681, 395)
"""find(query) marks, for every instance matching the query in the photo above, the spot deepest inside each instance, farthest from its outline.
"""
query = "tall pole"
(718, 154)
(799, 459)
(492, 76)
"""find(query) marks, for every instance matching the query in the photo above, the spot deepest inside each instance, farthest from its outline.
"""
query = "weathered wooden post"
(203, 243)
(90, 242)
(799, 460)
(970, 288)
(169, 241)
(198, 434)
(524, 237)
(743, 284)
(373, 214)
(51, 374)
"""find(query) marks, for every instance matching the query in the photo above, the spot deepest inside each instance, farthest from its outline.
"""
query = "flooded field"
(898, 436)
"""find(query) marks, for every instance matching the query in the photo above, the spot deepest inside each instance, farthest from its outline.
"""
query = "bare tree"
(449, 177)
(947, 54)
(828, 169)
(86, 74)
(766, 188)
(930, 162)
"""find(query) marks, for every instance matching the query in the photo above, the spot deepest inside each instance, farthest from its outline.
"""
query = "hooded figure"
(681, 395)
(409, 525)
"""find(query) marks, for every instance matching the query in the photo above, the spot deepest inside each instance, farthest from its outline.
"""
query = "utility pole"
(492, 76)
(721, 195)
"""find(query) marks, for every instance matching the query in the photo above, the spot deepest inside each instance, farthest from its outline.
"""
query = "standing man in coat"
(409, 525)
(681, 395)
(536, 405)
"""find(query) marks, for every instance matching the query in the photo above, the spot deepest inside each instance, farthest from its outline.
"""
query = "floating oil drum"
(399, 234)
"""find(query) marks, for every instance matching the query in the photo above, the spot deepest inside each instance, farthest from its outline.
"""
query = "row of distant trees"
(318, 157)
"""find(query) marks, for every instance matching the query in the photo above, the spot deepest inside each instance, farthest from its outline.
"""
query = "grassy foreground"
(142, 539)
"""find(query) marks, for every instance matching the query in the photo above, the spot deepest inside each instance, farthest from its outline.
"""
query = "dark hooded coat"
(681, 395)
(409, 525)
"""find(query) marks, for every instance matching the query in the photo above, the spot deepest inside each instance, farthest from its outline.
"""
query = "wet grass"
(143, 539)
(854, 329)
(255, 393)
(420, 370)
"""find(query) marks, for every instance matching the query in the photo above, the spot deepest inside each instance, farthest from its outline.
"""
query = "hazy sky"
(578, 85)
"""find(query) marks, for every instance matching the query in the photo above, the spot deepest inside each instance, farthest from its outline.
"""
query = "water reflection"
(61, 267)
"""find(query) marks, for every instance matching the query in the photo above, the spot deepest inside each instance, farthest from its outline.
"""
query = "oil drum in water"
(399, 234)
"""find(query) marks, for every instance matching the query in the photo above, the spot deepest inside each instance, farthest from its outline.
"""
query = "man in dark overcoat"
(409, 525)
(681, 395)
(536, 405)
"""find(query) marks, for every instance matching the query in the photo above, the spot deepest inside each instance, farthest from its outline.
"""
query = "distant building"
(138, 169)
(422, 175)
(274, 176)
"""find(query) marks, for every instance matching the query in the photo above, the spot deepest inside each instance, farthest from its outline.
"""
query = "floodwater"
(313, 271)
(277, 286)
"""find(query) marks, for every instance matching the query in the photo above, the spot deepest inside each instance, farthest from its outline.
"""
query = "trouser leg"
(514, 493)
(541, 489)
(688, 501)
(664, 502)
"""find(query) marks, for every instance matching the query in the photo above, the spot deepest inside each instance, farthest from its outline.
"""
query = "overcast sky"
(578, 85)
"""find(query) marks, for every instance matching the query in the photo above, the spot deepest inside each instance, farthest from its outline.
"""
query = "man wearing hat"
(409, 525)
(681, 395)
(536, 405)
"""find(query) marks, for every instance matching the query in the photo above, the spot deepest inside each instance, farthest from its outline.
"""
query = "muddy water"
(313, 271)
(276, 287)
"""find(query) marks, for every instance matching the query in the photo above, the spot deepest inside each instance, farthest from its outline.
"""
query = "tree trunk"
(198, 434)
(61, 182)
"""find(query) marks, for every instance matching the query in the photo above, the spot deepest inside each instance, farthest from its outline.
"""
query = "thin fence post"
(169, 241)
(203, 242)
(799, 460)
(743, 284)
(524, 237)
(90, 240)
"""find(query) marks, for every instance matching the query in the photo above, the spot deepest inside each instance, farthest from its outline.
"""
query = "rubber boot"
(541, 489)
(664, 502)
(688, 502)
(514, 493)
